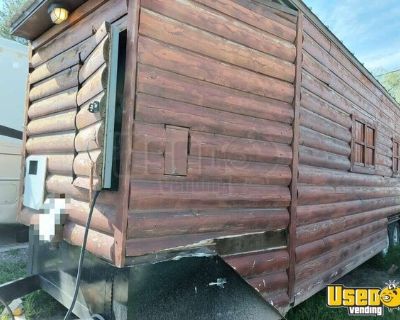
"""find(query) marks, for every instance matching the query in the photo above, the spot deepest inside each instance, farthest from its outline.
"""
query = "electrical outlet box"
(35, 177)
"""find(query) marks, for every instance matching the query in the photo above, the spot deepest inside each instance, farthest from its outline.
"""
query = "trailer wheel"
(393, 237)
(394, 234)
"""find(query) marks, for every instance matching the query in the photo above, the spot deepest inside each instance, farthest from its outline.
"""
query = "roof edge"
(26, 11)
(331, 36)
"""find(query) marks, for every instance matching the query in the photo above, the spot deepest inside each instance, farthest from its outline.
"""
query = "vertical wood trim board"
(295, 161)
(127, 130)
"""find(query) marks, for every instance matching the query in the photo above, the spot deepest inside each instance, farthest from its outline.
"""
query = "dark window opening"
(119, 107)
(33, 167)
(396, 157)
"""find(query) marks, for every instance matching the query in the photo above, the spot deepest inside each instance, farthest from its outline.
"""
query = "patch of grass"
(14, 252)
(385, 262)
(10, 271)
(37, 305)
(315, 308)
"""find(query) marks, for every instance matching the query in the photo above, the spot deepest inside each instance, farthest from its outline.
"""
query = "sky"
(369, 28)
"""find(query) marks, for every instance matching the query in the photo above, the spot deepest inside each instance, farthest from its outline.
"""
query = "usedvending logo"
(365, 301)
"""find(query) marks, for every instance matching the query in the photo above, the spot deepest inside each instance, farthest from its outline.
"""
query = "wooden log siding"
(339, 212)
(63, 121)
(60, 82)
(261, 267)
(55, 118)
(225, 73)
(53, 104)
(89, 141)
(110, 12)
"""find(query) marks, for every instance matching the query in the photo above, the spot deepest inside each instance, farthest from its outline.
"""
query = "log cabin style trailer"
(240, 132)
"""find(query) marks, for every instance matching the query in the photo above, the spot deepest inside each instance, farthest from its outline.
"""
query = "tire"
(393, 237)
(394, 234)
(22, 235)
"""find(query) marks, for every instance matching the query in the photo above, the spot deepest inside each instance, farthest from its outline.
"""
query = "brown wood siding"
(223, 73)
(342, 215)
(56, 114)
(227, 132)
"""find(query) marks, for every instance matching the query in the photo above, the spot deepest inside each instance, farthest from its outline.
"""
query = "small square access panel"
(35, 176)
(176, 151)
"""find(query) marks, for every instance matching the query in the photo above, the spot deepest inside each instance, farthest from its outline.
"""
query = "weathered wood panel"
(110, 11)
(60, 82)
(64, 121)
(228, 79)
(317, 248)
(53, 104)
(224, 147)
(95, 60)
(150, 166)
(319, 230)
(90, 138)
(53, 115)
(266, 12)
(55, 143)
(176, 87)
(252, 264)
(318, 158)
(159, 224)
(222, 25)
(314, 213)
(98, 243)
(174, 195)
(216, 72)
(252, 18)
(103, 218)
(159, 110)
(84, 161)
(84, 118)
(60, 164)
(340, 212)
(316, 140)
(94, 85)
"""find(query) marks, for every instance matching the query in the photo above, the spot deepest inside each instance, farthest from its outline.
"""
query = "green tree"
(9, 8)
(391, 81)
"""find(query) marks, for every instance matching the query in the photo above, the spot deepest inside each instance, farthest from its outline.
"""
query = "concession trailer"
(13, 75)
(232, 150)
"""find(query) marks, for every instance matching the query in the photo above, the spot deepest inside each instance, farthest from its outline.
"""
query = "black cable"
(8, 308)
(82, 256)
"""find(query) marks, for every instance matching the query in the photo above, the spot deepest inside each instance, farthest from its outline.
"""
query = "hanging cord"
(82, 256)
(10, 313)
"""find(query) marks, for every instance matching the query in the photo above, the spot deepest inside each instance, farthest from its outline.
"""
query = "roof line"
(27, 10)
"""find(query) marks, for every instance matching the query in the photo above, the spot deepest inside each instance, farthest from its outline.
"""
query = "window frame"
(362, 167)
(396, 157)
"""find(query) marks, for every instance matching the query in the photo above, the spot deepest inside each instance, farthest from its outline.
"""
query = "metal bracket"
(94, 107)
(19, 288)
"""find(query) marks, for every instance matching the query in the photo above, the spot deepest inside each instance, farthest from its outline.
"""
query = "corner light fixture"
(58, 13)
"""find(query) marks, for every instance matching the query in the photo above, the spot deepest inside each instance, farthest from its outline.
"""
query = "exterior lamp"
(58, 13)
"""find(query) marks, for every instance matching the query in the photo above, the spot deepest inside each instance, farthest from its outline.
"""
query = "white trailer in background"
(13, 77)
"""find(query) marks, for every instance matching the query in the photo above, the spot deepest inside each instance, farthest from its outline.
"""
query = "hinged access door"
(96, 119)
